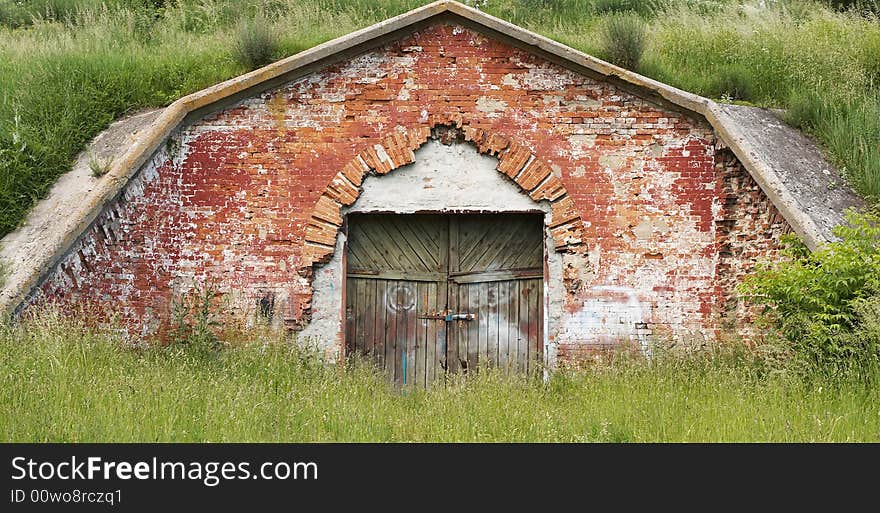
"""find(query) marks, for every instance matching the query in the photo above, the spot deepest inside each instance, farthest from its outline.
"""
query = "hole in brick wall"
(266, 305)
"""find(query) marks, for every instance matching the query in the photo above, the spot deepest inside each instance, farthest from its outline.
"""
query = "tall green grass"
(69, 67)
(61, 382)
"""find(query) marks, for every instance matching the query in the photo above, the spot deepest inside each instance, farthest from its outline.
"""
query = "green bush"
(822, 301)
(255, 43)
(194, 319)
(623, 40)
(861, 6)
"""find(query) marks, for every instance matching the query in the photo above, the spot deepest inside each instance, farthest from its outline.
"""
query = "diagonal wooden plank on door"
(410, 245)
(526, 234)
(523, 252)
(423, 236)
(481, 231)
(368, 252)
(398, 259)
(472, 232)
(496, 249)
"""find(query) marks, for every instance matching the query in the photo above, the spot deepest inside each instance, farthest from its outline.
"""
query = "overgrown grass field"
(69, 67)
(61, 382)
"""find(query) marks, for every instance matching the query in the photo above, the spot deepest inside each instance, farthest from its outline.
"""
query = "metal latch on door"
(449, 316)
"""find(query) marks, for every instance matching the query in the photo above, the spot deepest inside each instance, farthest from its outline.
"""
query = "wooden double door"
(431, 294)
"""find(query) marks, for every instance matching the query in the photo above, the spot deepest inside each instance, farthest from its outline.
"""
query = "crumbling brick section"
(747, 230)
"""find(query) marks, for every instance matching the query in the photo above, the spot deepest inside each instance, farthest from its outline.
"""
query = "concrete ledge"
(72, 203)
(30, 261)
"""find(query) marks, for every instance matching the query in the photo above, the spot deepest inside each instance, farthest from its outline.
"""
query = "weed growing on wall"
(194, 320)
(99, 167)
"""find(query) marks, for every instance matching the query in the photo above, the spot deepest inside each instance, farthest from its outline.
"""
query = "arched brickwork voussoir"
(514, 160)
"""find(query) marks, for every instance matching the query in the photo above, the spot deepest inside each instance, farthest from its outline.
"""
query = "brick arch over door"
(515, 160)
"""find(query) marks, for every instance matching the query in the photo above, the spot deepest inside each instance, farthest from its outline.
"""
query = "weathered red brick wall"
(747, 228)
(669, 224)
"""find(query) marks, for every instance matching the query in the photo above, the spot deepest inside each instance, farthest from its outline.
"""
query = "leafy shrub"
(821, 300)
(623, 40)
(194, 320)
(861, 6)
(256, 43)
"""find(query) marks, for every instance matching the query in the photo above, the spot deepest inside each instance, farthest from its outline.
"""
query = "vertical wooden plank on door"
(441, 334)
(484, 354)
(492, 323)
(453, 296)
(369, 296)
(361, 312)
(459, 329)
(350, 321)
(412, 339)
(502, 311)
(522, 327)
(473, 327)
(512, 325)
(402, 345)
(534, 324)
(391, 360)
(431, 346)
(380, 328)
(420, 334)
(539, 342)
